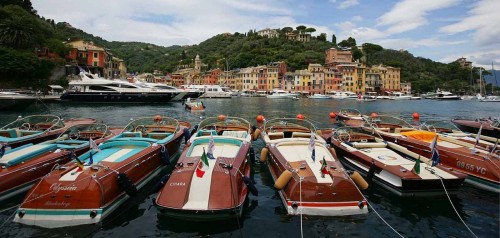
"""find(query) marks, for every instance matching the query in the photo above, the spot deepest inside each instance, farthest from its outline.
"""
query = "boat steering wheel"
(342, 135)
(141, 129)
(25, 126)
(74, 135)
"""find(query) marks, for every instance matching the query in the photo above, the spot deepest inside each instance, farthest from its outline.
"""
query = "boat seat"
(237, 134)
(399, 130)
(276, 135)
(10, 133)
(369, 145)
(23, 153)
(207, 132)
(384, 129)
(301, 135)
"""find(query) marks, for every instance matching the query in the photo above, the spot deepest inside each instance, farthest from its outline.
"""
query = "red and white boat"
(88, 190)
(482, 166)
(212, 177)
(25, 165)
(346, 114)
(307, 184)
(489, 127)
(35, 129)
(390, 165)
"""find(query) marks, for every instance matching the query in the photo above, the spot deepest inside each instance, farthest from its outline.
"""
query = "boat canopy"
(426, 136)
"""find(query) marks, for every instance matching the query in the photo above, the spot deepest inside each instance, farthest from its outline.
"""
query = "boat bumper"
(327, 208)
(49, 218)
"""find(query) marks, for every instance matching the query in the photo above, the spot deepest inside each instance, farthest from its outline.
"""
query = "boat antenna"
(495, 76)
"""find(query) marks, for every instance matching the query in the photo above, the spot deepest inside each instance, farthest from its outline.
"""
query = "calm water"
(264, 215)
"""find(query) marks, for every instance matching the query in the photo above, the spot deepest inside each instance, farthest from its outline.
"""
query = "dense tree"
(321, 37)
(301, 28)
(334, 39)
(310, 30)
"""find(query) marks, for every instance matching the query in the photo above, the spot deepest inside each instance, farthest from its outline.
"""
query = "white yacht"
(445, 95)
(399, 96)
(211, 91)
(319, 96)
(183, 93)
(278, 93)
(343, 95)
(91, 88)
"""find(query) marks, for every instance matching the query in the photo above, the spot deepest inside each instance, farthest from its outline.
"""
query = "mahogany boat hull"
(481, 170)
(473, 127)
(71, 196)
(225, 195)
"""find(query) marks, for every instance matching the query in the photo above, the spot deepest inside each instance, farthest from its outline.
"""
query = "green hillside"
(237, 50)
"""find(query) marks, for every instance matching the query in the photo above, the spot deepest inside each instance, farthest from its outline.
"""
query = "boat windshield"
(36, 122)
(86, 131)
(439, 126)
(355, 134)
(387, 120)
(288, 124)
(350, 112)
(152, 122)
(228, 122)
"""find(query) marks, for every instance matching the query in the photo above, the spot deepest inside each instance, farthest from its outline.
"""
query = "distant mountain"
(491, 78)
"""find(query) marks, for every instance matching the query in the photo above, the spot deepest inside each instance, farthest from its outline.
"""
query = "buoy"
(374, 115)
(300, 117)
(256, 134)
(333, 115)
(157, 118)
(221, 117)
(260, 118)
(359, 181)
(126, 184)
(251, 187)
(415, 116)
(283, 179)
(263, 155)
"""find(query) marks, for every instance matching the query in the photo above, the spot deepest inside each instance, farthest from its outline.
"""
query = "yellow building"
(303, 82)
(249, 77)
(359, 78)
(391, 78)
(347, 71)
(272, 77)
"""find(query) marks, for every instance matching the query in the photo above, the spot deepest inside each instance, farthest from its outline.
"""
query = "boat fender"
(256, 134)
(186, 134)
(250, 186)
(161, 183)
(334, 153)
(126, 184)
(319, 132)
(359, 181)
(195, 128)
(263, 155)
(283, 180)
(165, 157)
(251, 153)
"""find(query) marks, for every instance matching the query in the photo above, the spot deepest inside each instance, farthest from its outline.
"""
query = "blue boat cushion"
(207, 132)
(202, 141)
(9, 133)
(116, 151)
(24, 153)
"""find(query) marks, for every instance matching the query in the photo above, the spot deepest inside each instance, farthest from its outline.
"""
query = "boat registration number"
(471, 167)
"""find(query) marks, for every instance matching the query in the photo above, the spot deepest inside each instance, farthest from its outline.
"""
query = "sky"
(441, 30)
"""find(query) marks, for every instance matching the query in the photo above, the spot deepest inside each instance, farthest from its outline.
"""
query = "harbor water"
(265, 215)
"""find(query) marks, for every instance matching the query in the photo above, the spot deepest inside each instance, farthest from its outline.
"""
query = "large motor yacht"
(91, 88)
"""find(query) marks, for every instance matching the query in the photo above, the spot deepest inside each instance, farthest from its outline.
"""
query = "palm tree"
(16, 34)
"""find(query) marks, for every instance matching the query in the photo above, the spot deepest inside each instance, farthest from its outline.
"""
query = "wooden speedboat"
(389, 164)
(490, 127)
(349, 114)
(86, 191)
(193, 105)
(25, 165)
(211, 178)
(469, 140)
(307, 184)
(482, 166)
(35, 129)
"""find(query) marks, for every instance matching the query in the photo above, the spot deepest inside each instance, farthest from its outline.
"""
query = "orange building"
(334, 57)
(89, 56)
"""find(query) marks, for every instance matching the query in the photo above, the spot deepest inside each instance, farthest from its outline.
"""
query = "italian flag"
(203, 165)
(324, 167)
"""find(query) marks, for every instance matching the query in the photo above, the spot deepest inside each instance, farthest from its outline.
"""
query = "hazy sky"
(442, 30)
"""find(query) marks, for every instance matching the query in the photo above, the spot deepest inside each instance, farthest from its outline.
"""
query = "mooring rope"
(449, 199)
(300, 198)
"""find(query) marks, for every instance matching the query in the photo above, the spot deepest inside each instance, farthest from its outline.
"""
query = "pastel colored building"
(317, 78)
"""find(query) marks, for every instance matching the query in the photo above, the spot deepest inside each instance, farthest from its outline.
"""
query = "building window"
(95, 63)
(95, 55)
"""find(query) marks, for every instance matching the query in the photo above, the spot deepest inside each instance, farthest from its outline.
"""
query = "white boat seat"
(237, 134)
(301, 135)
(276, 135)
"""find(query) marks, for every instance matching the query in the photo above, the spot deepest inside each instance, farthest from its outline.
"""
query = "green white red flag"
(202, 165)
